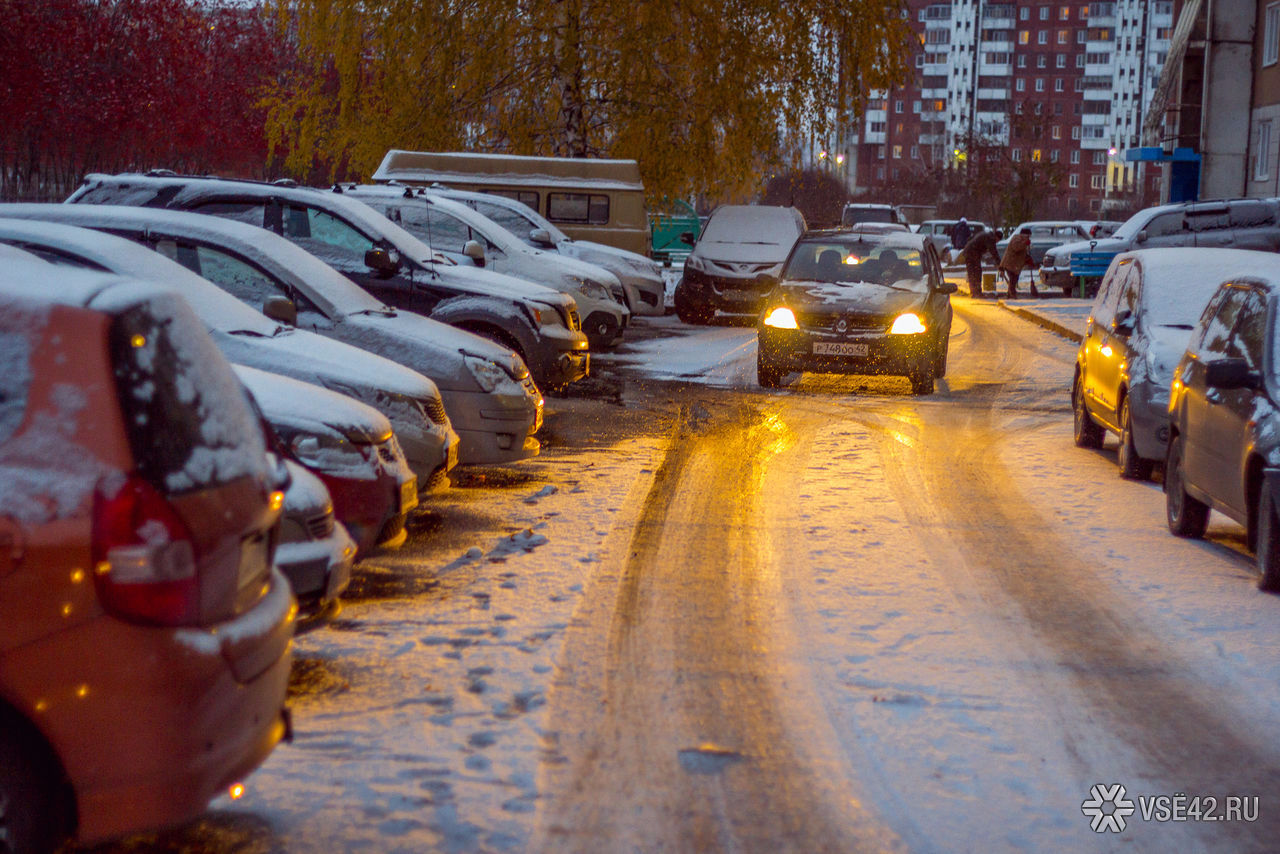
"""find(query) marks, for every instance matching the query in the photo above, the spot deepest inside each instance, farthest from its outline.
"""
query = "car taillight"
(143, 556)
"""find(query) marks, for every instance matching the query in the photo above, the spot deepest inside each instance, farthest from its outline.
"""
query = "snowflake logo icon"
(1107, 808)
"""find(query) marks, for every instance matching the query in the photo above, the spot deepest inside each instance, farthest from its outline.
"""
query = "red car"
(349, 446)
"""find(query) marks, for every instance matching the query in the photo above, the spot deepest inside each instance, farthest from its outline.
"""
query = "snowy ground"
(943, 618)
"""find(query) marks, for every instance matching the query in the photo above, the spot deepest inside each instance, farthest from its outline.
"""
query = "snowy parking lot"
(830, 617)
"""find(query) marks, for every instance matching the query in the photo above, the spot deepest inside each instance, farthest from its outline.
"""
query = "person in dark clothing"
(1017, 257)
(960, 234)
(980, 246)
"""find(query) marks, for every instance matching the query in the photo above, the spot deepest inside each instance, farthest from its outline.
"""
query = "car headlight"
(1048, 260)
(488, 374)
(693, 262)
(591, 289)
(781, 318)
(404, 413)
(908, 323)
(327, 452)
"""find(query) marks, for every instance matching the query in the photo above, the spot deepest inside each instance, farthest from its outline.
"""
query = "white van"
(589, 199)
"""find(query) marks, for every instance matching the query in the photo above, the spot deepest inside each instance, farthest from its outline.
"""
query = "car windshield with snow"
(855, 303)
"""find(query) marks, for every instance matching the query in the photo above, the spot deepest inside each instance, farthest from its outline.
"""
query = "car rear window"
(187, 418)
(867, 214)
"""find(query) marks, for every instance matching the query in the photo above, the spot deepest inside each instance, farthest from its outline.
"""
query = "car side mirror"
(687, 238)
(473, 250)
(384, 262)
(946, 287)
(540, 235)
(1140, 237)
(1124, 323)
(1231, 373)
(281, 310)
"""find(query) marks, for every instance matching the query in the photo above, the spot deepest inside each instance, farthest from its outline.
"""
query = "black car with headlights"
(858, 303)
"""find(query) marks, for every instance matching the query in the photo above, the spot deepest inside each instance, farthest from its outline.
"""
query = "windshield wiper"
(1176, 325)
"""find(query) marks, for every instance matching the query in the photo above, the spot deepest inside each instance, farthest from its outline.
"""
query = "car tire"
(1132, 466)
(922, 381)
(689, 313)
(33, 807)
(1186, 516)
(1268, 546)
(940, 360)
(1086, 432)
(768, 373)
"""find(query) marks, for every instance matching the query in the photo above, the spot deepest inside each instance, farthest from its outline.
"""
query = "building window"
(1020, 85)
(1057, 108)
(1053, 155)
(1042, 61)
(1017, 155)
(1097, 182)
(915, 106)
(1079, 87)
(1039, 84)
(1024, 36)
(915, 152)
(897, 152)
(1035, 155)
(877, 127)
(1262, 157)
(1062, 60)
(1022, 60)
(919, 60)
(880, 172)
(1099, 158)
(1271, 35)
(1074, 180)
(1075, 134)
(897, 106)
(1057, 84)
(1024, 13)
(1079, 60)
(1075, 155)
(1044, 13)
(1081, 36)
(1042, 37)
(1056, 132)
(1064, 36)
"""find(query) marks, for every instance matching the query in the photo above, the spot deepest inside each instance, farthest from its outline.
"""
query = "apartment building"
(1061, 82)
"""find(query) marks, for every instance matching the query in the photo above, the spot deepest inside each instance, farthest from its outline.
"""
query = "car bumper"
(1149, 413)
(726, 294)
(318, 570)
(561, 357)
(366, 506)
(151, 723)
(426, 448)
(646, 295)
(1056, 278)
(496, 427)
(868, 353)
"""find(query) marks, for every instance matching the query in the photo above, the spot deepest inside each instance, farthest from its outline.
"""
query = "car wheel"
(1132, 466)
(768, 373)
(940, 360)
(1268, 553)
(690, 313)
(1087, 433)
(33, 814)
(922, 381)
(1187, 517)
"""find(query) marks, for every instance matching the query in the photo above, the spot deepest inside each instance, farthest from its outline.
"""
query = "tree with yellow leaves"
(707, 96)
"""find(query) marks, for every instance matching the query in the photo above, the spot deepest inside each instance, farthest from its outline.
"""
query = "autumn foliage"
(109, 85)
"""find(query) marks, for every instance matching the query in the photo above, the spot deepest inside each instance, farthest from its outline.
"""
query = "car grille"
(575, 322)
(434, 408)
(320, 527)
(852, 323)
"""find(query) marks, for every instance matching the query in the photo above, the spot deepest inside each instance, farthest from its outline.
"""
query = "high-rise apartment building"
(1063, 82)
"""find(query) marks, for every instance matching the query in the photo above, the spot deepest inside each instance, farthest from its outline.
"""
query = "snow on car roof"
(216, 307)
(1178, 282)
(330, 290)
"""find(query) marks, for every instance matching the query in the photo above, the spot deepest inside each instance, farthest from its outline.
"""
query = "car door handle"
(1213, 396)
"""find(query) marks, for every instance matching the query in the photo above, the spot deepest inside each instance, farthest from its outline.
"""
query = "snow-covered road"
(834, 617)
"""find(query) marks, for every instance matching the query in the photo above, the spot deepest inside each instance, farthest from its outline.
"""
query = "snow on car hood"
(307, 495)
(428, 346)
(471, 280)
(860, 297)
(307, 406)
(618, 261)
(314, 359)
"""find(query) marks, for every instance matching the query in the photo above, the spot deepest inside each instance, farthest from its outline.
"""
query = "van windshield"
(758, 224)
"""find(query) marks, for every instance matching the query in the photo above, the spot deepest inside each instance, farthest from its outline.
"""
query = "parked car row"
(1180, 361)
(215, 397)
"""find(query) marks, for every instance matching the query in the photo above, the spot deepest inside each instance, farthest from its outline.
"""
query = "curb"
(1043, 322)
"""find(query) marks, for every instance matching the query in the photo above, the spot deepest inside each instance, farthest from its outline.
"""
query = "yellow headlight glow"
(853, 260)
(907, 324)
(781, 318)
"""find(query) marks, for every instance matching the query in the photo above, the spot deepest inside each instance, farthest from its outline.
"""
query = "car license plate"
(408, 495)
(838, 348)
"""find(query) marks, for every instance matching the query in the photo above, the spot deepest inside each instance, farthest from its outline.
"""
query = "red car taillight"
(144, 559)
